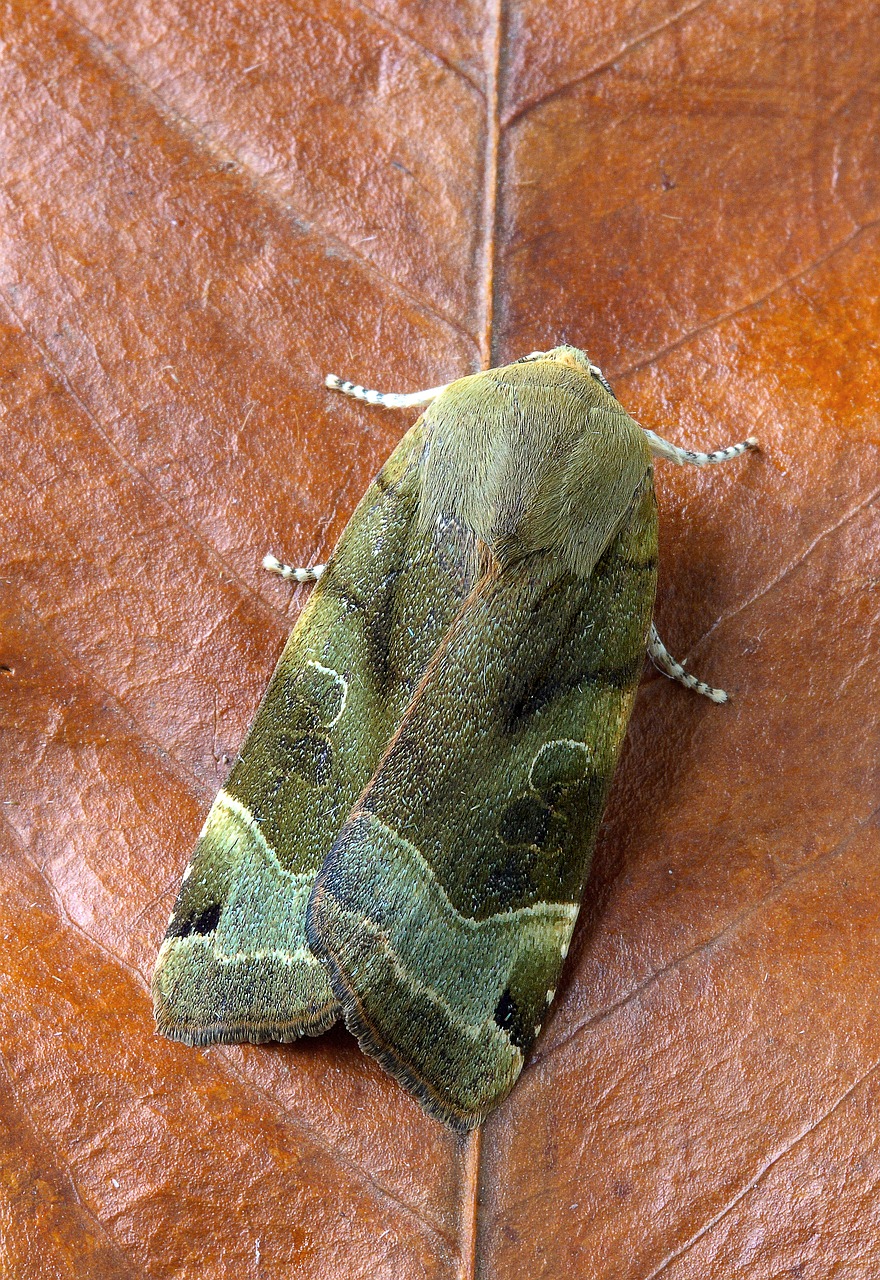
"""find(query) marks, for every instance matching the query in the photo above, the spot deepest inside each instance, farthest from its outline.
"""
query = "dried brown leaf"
(204, 209)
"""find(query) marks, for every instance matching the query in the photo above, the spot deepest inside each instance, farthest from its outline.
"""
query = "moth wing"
(235, 963)
(445, 908)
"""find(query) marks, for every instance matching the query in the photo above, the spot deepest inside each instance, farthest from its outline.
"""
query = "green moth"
(404, 838)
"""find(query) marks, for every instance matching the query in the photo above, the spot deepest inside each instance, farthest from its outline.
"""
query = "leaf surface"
(203, 210)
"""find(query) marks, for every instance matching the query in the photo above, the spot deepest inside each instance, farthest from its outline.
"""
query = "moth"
(404, 838)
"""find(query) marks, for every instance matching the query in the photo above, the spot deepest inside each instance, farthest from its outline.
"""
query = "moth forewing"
(235, 963)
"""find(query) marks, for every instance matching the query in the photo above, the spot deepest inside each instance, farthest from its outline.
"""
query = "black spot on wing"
(510, 1018)
(201, 922)
(206, 921)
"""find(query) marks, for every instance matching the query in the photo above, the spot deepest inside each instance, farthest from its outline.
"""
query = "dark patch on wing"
(509, 881)
(510, 1018)
(529, 690)
(200, 922)
(610, 563)
(337, 587)
(455, 546)
(538, 851)
(378, 628)
(312, 698)
(310, 757)
(525, 821)
(556, 769)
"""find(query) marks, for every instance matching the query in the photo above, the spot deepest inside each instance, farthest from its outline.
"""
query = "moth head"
(570, 357)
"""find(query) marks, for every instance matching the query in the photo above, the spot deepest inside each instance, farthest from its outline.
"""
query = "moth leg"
(664, 661)
(387, 399)
(661, 448)
(288, 571)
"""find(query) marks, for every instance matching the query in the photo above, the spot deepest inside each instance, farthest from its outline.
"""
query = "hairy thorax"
(533, 459)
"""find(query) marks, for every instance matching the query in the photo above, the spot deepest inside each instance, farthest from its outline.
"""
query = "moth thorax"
(535, 456)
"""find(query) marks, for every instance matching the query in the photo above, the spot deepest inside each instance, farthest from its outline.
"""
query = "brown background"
(204, 207)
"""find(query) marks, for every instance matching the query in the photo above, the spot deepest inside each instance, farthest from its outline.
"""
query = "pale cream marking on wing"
(563, 950)
(343, 684)
(234, 808)
(565, 910)
(187, 873)
(302, 955)
(226, 808)
(550, 994)
(556, 742)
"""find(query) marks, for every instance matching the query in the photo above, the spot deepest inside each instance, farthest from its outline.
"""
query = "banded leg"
(387, 399)
(293, 574)
(661, 448)
(664, 661)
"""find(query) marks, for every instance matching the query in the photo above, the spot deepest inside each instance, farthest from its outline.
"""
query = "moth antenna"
(290, 572)
(664, 661)
(387, 399)
(661, 448)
